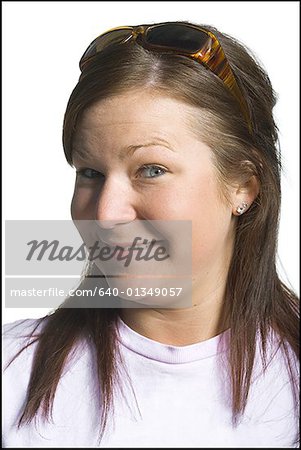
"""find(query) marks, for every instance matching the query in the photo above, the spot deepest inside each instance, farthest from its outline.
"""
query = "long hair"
(256, 301)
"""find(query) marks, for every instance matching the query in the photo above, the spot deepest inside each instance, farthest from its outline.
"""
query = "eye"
(90, 174)
(152, 171)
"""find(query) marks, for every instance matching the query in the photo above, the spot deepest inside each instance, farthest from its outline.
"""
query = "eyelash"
(83, 173)
(95, 174)
(148, 166)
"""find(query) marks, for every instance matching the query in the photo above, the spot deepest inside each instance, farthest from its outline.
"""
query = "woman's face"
(137, 159)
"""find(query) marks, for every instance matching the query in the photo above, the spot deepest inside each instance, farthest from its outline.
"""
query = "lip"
(119, 244)
(129, 244)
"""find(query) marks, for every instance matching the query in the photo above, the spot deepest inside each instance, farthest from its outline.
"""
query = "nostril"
(105, 224)
(111, 210)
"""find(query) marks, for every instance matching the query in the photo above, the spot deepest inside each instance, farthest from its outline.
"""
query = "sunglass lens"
(177, 36)
(103, 41)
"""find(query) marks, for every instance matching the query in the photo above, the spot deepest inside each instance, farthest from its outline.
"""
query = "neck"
(207, 316)
(181, 327)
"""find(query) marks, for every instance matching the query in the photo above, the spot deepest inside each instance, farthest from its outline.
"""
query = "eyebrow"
(130, 150)
(127, 152)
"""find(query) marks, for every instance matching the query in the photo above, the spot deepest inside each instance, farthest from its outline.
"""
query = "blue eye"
(152, 171)
(89, 173)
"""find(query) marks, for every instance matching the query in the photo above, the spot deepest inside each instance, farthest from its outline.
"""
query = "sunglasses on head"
(183, 39)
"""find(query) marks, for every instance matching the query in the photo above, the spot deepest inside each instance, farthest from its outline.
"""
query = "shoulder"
(20, 335)
(280, 355)
(21, 339)
(20, 327)
(275, 378)
(276, 364)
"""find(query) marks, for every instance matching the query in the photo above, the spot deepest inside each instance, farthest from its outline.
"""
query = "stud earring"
(241, 208)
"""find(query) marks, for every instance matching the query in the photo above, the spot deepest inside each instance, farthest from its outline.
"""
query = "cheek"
(81, 204)
(211, 230)
(212, 227)
(192, 200)
(200, 202)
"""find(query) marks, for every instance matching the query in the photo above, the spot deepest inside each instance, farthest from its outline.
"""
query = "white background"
(42, 44)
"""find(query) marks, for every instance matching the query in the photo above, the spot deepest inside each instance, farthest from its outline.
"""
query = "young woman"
(168, 122)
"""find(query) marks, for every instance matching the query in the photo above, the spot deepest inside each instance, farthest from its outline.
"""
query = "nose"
(115, 203)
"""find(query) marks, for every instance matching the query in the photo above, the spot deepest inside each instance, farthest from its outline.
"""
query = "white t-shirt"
(179, 398)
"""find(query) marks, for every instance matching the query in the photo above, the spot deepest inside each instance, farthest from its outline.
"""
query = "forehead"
(137, 119)
(135, 113)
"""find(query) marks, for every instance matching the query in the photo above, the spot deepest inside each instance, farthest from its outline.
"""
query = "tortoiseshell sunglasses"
(183, 39)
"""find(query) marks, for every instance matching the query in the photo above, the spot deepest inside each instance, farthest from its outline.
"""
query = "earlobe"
(242, 208)
(245, 196)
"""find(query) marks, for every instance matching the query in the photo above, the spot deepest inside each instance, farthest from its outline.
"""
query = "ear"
(243, 195)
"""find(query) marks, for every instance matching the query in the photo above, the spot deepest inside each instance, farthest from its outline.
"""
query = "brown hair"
(255, 301)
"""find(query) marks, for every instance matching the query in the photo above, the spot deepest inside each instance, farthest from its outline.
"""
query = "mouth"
(148, 254)
(127, 246)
